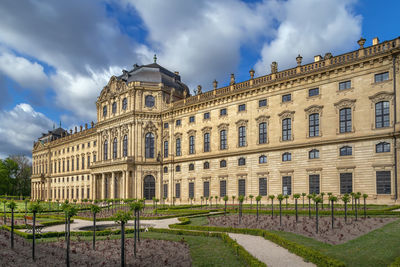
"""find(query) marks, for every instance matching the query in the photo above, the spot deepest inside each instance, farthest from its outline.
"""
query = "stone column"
(112, 188)
(103, 186)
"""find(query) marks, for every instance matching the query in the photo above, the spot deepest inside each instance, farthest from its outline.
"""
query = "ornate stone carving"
(262, 118)
(150, 127)
(345, 103)
(223, 126)
(178, 135)
(313, 109)
(381, 96)
(206, 129)
(241, 123)
(286, 114)
(191, 132)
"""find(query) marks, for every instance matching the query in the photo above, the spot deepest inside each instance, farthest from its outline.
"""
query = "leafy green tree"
(216, 201)
(329, 196)
(35, 208)
(303, 195)
(241, 199)
(201, 199)
(251, 201)
(4, 201)
(15, 173)
(280, 198)
(296, 197)
(94, 208)
(356, 198)
(352, 194)
(26, 201)
(225, 200)
(233, 200)
(317, 199)
(12, 205)
(258, 202)
(136, 207)
(345, 199)
(70, 211)
(365, 205)
(332, 199)
(286, 199)
(122, 217)
(211, 201)
(309, 196)
(322, 199)
(272, 203)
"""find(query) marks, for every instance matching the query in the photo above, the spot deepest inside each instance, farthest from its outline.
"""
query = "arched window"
(115, 145)
(313, 125)
(105, 151)
(178, 168)
(124, 103)
(287, 156)
(346, 151)
(165, 149)
(382, 114)
(287, 129)
(165, 169)
(149, 142)
(191, 167)
(104, 111)
(114, 107)
(382, 147)
(178, 147)
(191, 144)
(242, 161)
(242, 136)
(207, 142)
(262, 133)
(313, 154)
(149, 101)
(206, 165)
(222, 163)
(345, 120)
(125, 146)
(262, 159)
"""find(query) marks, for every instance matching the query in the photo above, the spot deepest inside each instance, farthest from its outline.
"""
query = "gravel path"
(268, 252)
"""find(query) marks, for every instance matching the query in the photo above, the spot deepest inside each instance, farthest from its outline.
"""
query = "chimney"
(86, 126)
(375, 41)
(80, 127)
(317, 58)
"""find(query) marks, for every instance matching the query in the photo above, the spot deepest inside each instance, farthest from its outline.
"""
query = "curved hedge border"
(306, 253)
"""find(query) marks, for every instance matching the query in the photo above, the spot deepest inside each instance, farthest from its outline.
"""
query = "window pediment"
(150, 127)
(242, 123)
(262, 118)
(313, 109)
(286, 114)
(381, 96)
(206, 129)
(223, 126)
(178, 135)
(345, 103)
(191, 132)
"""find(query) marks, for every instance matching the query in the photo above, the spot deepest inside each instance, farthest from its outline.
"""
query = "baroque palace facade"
(328, 126)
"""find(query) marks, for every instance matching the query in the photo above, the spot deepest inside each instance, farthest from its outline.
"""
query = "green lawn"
(204, 251)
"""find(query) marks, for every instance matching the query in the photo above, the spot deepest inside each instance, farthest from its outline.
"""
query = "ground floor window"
(313, 184)
(178, 190)
(383, 185)
(206, 189)
(287, 185)
(222, 188)
(88, 193)
(191, 190)
(242, 187)
(165, 190)
(262, 186)
(346, 183)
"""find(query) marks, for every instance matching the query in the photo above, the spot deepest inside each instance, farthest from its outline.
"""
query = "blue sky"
(56, 56)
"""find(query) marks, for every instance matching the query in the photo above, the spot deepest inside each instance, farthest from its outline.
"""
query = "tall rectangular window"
(242, 187)
(344, 85)
(88, 161)
(313, 183)
(383, 184)
(242, 136)
(77, 163)
(222, 188)
(380, 77)
(313, 125)
(178, 190)
(178, 122)
(262, 186)
(165, 149)
(191, 144)
(345, 120)
(262, 133)
(165, 191)
(287, 185)
(222, 140)
(346, 183)
(206, 189)
(207, 142)
(286, 129)
(382, 114)
(191, 190)
(83, 162)
(67, 165)
(178, 147)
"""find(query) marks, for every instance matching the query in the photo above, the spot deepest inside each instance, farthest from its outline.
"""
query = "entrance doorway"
(149, 187)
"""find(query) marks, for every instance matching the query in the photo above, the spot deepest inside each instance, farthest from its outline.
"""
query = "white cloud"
(19, 127)
(309, 28)
(28, 74)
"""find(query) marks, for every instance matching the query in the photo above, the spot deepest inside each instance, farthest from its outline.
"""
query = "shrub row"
(300, 250)
(239, 250)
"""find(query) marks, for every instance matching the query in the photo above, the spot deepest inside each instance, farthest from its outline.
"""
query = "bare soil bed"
(107, 213)
(341, 233)
(149, 253)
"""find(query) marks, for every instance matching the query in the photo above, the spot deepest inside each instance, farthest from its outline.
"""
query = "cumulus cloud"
(309, 28)
(19, 127)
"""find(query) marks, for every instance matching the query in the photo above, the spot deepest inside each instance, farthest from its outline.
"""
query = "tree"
(241, 199)
(225, 200)
(206, 201)
(365, 205)
(329, 196)
(15, 172)
(258, 200)
(317, 199)
(216, 201)
(49, 202)
(251, 201)
(122, 217)
(26, 200)
(135, 207)
(12, 205)
(303, 195)
(309, 196)
(4, 201)
(233, 200)
(286, 199)
(94, 209)
(352, 194)
(201, 199)
(272, 204)
(345, 199)
(211, 201)
(322, 199)
(296, 197)
(356, 198)
(280, 198)
(34, 208)
(70, 211)
(332, 199)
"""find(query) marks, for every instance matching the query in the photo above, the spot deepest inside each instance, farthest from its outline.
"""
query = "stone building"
(328, 126)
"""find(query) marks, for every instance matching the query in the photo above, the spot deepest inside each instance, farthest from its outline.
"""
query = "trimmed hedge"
(306, 253)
